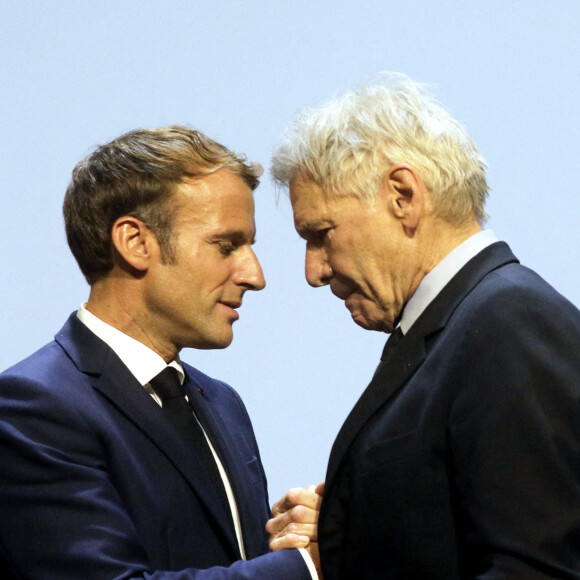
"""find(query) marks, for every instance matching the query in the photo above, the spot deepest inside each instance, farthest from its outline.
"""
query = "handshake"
(295, 521)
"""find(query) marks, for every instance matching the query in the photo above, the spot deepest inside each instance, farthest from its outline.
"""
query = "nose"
(317, 269)
(250, 274)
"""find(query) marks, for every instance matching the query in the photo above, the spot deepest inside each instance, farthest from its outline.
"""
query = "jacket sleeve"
(62, 516)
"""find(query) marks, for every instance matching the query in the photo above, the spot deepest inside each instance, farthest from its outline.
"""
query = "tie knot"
(392, 342)
(166, 384)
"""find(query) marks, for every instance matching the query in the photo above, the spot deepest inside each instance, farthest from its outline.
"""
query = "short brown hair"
(135, 175)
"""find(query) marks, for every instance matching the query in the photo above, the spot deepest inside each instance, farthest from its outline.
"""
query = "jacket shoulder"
(40, 365)
(514, 293)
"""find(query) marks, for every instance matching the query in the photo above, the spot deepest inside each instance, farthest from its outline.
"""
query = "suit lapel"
(217, 430)
(388, 379)
(115, 382)
(221, 435)
(412, 350)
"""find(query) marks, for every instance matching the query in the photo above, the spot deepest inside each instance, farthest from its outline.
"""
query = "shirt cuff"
(309, 563)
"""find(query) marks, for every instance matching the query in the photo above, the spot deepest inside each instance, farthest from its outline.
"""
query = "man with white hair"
(461, 459)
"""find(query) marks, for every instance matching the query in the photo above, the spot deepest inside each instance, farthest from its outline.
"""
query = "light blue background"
(76, 73)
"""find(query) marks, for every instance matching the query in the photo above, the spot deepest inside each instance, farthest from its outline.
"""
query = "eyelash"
(321, 235)
(226, 248)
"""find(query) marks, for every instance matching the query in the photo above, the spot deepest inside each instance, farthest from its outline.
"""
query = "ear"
(133, 242)
(405, 195)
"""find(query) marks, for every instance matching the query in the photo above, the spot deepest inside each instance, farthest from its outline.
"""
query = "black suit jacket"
(95, 482)
(462, 457)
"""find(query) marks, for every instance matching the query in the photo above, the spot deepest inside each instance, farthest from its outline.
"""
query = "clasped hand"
(295, 521)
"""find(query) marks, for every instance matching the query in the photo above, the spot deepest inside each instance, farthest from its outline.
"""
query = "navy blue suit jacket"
(461, 460)
(96, 483)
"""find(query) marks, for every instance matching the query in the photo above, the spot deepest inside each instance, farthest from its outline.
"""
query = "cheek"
(216, 276)
(341, 250)
(340, 263)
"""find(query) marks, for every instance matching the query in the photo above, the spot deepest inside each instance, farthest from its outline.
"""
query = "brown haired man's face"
(193, 302)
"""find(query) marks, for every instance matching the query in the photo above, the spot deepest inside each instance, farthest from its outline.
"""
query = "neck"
(440, 239)
(119, 303)
(446, 238)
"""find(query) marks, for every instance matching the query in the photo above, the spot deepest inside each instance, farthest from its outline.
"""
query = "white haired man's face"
(360, 249)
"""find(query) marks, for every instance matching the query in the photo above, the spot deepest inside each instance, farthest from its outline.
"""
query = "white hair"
(347, 145)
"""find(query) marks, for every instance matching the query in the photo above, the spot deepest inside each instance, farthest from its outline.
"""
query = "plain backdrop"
(77, 73)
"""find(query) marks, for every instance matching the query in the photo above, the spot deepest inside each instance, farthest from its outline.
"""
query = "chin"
(361, 321)
(213, 342)
(222, 343)
(376, 325)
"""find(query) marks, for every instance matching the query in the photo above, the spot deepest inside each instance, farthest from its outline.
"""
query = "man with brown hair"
(118, 459)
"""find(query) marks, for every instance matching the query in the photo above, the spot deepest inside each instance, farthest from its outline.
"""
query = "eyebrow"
(310, 227)
(237, 236)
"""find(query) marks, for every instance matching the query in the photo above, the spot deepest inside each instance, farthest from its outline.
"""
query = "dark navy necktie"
(392, 343)
(175, 406)
(390, 348)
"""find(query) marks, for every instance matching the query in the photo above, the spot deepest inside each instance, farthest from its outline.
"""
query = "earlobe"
(405, 195)
(132, 242)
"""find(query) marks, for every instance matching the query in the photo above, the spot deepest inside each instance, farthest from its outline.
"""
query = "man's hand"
(294, 524)
(295, 521)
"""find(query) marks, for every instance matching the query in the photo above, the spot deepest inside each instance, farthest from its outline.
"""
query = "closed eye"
(318, 237)
(226, 247)
(229, 243)
(315, 231)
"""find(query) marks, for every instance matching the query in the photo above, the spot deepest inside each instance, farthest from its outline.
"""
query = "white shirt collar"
(143, 362)
(438, 278)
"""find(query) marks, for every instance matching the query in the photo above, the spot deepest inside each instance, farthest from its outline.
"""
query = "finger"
(289, 541)
(297, 496)
(309, 531)
(279, 507)
(293, 497)
(297, 515)
(277, 524)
